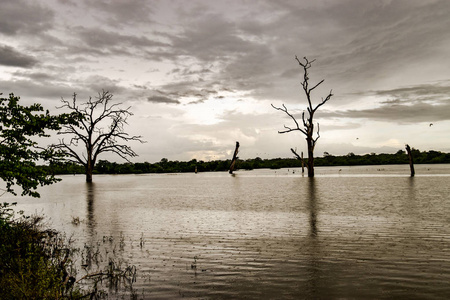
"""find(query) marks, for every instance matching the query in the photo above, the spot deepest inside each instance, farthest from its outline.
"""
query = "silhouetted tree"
(100, 130)
(307, 121)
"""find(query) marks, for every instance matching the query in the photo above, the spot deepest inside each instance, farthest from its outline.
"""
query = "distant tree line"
(400, 157)
(167, 166)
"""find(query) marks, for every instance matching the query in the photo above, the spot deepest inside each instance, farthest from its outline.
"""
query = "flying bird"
(431, 124)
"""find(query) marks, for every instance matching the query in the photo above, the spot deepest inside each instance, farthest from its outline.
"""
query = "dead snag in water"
(233, 161)
(300, 158)
(411, 162)
(307, 121)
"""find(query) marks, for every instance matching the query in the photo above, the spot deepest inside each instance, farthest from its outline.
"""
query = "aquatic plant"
(40, 263)
(36, 262)
(76, 221)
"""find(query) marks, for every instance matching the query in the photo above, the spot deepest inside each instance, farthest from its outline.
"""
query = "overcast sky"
(201, 75)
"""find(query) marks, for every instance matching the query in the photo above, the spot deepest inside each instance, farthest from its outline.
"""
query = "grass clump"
(37, 263)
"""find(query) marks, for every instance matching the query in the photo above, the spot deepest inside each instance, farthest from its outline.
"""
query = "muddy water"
(353, 232)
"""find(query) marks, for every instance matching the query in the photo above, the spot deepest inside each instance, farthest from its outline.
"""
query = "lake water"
(350, 233)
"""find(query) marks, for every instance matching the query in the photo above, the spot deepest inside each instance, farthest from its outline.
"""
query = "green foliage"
(400, 157)
(35, 263)
(64, 167)
(19, 152)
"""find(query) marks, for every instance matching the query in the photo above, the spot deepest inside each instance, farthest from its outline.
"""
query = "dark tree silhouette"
(234, 159)
(307, 121)
(100, 129)
(411, 161)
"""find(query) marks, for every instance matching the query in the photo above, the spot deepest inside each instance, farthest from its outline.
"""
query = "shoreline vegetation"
(37, 262)
(167, 166)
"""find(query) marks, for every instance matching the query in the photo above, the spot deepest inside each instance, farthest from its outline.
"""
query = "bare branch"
(316, 86)
(284, 109)
(296, 154)
(69, 152)
(324, 101)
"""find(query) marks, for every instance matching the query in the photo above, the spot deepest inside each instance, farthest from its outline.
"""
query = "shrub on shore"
(35, 263)
(38, 263)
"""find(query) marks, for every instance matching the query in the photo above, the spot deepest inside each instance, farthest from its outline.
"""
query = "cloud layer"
(207, 71)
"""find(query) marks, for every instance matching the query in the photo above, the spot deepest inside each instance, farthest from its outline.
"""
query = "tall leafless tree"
(100, 130)
(307, 121)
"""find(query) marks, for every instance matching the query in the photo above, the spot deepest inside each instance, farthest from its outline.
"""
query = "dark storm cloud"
(252, 45)
(196, 90)
(99, 41)
(423, 92)
(37, 85)
(401, 113)
(176, 92)
(190, 71)
(162, 99)
(366, 41)
(98, 83)
(119, 12)
(21, 16)
(11, 57)
(215, 40)
(221, 52)
(31, 89)
(211, 38)
(421, 103)
(36, 76)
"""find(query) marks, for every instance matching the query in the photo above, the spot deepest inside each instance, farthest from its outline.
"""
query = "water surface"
(351, 232)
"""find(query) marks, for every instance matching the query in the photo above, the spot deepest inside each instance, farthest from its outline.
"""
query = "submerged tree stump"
(411, 162)
(233, 161)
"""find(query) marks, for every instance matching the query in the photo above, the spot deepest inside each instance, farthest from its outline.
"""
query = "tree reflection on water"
(314, 252)
(90, 196)
(312, 207)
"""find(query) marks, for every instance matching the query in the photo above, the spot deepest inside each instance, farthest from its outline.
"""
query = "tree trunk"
(233, 161)
(88, 175)
(310, 164)
(411, 162)
(303, 164)
(89, 169)
(310, 158)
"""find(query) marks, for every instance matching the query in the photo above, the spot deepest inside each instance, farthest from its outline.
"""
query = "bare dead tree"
(307, 121)
(100, 130)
